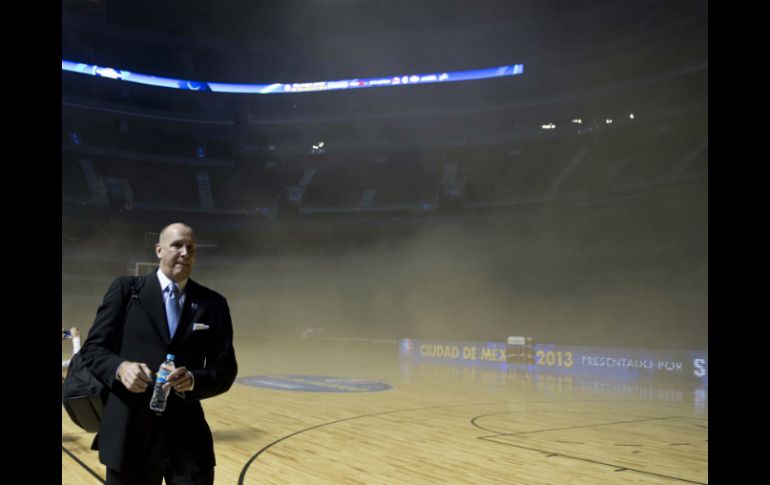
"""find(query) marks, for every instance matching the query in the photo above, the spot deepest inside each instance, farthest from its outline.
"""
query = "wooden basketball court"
(435, 424)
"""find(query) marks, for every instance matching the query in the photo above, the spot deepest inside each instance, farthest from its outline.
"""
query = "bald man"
(136, 444)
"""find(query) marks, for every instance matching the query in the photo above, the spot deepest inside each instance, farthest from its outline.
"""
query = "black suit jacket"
(129, 427)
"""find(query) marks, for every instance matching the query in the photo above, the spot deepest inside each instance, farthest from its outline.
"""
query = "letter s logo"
(700, 367)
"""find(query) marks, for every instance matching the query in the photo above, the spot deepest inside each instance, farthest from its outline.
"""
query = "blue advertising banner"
(572, 360)
(402, 79)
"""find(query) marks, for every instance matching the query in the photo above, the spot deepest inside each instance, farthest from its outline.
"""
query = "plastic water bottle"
(159, 396)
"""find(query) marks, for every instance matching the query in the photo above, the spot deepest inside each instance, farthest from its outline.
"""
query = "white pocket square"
(200, 326)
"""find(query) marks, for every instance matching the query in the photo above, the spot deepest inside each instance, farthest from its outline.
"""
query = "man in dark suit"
(137, 445)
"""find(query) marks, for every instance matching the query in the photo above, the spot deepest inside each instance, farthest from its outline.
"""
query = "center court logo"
(314, 383)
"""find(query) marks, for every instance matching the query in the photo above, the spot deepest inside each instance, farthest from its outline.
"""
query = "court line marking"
(617, 467)
(498, 433)
(77, 460)
(246, 466)
(550, 454)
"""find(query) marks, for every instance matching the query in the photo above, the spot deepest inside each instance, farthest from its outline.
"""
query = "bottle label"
(162, 374)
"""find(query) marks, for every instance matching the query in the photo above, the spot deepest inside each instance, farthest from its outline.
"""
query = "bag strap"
(136, 285)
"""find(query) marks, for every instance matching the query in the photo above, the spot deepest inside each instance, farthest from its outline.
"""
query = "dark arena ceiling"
(309, 39)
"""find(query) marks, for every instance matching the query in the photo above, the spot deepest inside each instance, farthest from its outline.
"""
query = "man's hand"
(135, 376)
(181, 380)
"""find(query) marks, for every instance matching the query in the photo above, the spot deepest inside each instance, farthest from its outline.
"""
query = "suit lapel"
(151, 300)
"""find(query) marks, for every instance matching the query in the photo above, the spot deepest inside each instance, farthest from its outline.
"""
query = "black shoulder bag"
(82, 394)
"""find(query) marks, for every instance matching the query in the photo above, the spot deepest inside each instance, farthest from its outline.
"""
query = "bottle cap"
(170, 357)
